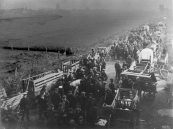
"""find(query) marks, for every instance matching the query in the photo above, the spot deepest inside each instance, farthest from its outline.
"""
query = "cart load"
(125, 104)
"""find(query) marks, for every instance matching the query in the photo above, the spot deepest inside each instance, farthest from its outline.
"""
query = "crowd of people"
(80, 108)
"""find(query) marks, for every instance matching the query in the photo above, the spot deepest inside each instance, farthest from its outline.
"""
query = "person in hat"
(112, 86)
(43, 105)
(118, 70)
(60, 90)
(70, 116)
(79, 72)
(82, 100)
(65, 103)
(103, 65)
(91, 110)
(125, 82)
(81, 123)
(78, 113)
(104, 75)
(24, 106)
(109, 97)
(99, 86)
(56, 98)
(138, 85)
(66, 87)
(71, 98)
(95, 71)
(91, 101)
(124, 64)
(130, 83)
(70, 76)
(44, 90)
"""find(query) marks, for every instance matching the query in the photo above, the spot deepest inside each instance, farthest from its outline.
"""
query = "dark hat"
(111, 79)
(64, 96)
(78, 106)
(69, 91)
(109, 91)
(80, 117)
(70, 109)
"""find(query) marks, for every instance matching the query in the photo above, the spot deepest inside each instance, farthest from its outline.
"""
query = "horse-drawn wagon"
(126, 110)
(148, 82)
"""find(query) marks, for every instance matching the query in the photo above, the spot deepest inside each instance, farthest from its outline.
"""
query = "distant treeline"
(69, 51)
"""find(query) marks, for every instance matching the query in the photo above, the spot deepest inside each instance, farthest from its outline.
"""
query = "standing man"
(71, 98)
(24, 107)
(129, 61)
(104, 75)
(56, 98)
(118, 70)
(112, 86)
(43, 105)
(103, 65)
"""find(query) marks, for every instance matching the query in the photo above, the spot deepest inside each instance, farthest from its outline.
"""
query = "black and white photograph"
(86, 64)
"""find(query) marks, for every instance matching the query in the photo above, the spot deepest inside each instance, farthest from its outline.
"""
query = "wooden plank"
(37, 76)
(47, 76)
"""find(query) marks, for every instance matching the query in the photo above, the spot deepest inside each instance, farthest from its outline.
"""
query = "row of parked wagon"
(125, 104)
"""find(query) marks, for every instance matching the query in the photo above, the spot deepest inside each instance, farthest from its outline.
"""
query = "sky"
(83, 4)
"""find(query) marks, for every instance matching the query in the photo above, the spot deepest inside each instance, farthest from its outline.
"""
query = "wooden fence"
(70, 65)
(38, 81)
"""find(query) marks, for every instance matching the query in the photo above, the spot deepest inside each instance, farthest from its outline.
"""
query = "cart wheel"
(149, 95)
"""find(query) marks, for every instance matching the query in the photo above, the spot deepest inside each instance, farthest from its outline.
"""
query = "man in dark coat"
(125, 82)
(71, 98)
(112, 86)
(78, 113)
(103, 65)
(56, 98)
(43, 105)
(109, 98)
(91, 110)
(118, 70)
(92, 115)
(91, 101)
(78, 72)
(24, 107)
(65, 103)
(129, 61)
(82, 100)
(104, 75)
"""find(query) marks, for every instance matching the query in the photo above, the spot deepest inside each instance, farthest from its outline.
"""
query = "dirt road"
(154, 114)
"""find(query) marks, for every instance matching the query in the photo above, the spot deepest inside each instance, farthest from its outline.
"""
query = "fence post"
(28, 48)
(46, 49)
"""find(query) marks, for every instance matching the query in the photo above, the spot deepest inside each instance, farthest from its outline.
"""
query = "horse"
(75, 85)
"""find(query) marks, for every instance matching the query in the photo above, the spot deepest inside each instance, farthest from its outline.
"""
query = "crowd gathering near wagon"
(76, 97)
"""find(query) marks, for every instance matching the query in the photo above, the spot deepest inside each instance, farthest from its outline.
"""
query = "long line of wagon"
(151, 54)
